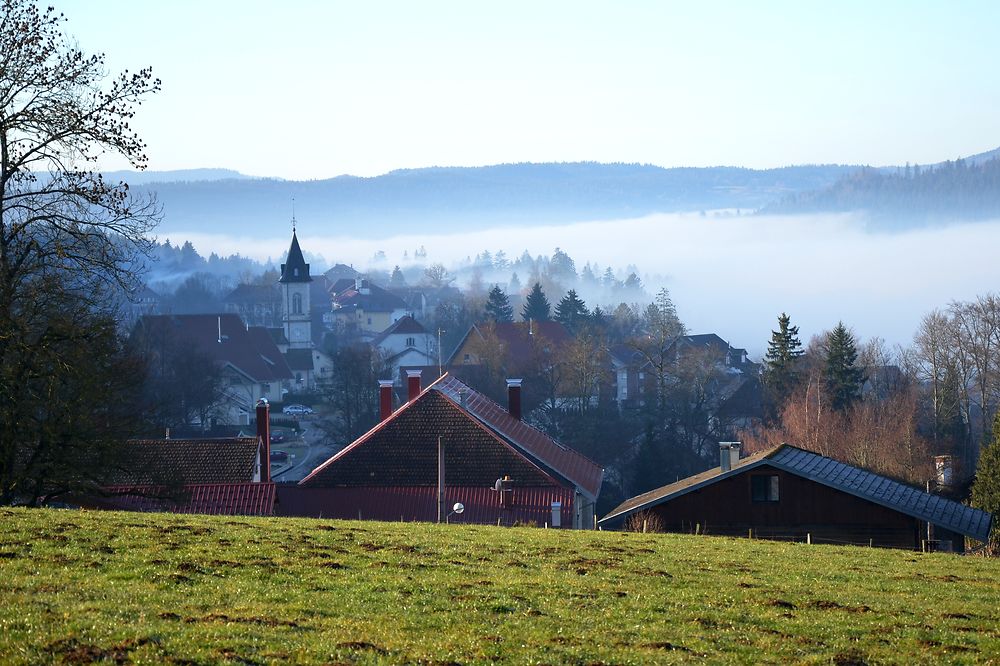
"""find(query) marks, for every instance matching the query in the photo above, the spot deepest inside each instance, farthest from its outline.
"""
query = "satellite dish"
(458, 508)
(498, 485)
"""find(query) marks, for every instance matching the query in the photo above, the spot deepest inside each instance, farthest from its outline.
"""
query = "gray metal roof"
(894, 495)
(856, 481)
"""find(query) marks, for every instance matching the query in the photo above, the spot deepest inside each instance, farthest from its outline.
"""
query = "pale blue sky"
(316, 89)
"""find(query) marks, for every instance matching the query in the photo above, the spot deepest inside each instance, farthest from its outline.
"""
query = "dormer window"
(295, 272)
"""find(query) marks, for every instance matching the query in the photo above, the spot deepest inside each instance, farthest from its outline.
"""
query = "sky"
(315, 89)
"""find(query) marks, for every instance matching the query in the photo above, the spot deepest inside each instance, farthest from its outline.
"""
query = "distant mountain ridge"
(441, 199)
(966, 189)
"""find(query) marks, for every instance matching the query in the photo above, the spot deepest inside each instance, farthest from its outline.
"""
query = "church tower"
(295, 298)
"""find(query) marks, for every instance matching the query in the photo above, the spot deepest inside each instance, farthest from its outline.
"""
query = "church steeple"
(295, 268)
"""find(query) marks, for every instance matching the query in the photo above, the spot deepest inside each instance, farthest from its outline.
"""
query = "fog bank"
(730, 275)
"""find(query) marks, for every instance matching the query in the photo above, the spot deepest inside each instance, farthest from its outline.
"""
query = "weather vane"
(293, 215)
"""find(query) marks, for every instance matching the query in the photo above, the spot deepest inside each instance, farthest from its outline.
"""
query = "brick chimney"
(384, 399)
(412, 384)
(264, 434)
(514, 398)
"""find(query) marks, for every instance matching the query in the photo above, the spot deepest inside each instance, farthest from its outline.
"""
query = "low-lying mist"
(731, 275)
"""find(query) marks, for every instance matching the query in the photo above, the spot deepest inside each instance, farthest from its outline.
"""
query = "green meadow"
(99, 587)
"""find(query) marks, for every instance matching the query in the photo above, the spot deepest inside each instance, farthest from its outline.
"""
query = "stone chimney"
(514, 398)
(412, 384)
(384, 399)
(264, 434)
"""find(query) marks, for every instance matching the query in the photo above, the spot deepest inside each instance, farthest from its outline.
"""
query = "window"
(764, 488)
(467, 358)
(265, 388)
(369, 321)
(296, 303)
(411, 342)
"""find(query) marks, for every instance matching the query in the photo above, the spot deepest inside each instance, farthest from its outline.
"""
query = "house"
(361, 307)
(448, 444)
(517, 342)
(252, 367)
(407, 343)
(228, 476)
(256, 304)
(789, 493)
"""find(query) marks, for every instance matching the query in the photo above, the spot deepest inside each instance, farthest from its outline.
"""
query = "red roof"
(419, 503)
(228, 499)
(401, 450)
(519, 338)
(574, 466)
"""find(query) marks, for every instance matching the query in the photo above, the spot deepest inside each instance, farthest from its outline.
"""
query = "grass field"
(81, 587)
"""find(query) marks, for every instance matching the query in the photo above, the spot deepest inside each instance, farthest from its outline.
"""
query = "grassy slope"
(80, 586)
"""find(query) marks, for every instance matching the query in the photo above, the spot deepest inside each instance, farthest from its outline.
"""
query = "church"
(308, 364)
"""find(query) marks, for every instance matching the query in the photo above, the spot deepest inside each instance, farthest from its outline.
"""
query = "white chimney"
(729, 455)
(942, 465)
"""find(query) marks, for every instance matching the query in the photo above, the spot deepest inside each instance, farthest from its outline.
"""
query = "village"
(452, 430)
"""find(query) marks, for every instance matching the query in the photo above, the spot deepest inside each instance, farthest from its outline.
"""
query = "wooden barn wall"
(804, 507)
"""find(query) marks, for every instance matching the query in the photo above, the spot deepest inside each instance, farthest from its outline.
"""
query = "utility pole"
(439, 352)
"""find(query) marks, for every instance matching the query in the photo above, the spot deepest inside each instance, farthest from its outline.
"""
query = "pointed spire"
(295, 268)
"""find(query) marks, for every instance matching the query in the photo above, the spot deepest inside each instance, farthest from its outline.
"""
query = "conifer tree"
(572, 312)
(536, 305)
(986, 488)
(781, 361)
(498, 308)
(843, 377)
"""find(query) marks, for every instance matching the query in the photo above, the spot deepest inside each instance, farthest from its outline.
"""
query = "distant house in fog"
(256, 304)
(251, 364)
(407, 343)
(362, 308)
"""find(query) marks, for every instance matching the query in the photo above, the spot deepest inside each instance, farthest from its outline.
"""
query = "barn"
(450, 444)
(789, 493)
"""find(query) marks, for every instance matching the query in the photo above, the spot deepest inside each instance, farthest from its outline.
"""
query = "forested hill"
(448, 199)
(904, 197)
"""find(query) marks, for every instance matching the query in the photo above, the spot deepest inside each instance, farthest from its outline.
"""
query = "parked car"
(297, 410)
(279, 456)
(277, 438)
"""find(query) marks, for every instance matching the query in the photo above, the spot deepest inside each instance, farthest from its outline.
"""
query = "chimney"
(384, 399)
(412, 384)
(734, 454)
(463, 398)
(264, 434)
(514, 398)
(942, 465)
(725, 457)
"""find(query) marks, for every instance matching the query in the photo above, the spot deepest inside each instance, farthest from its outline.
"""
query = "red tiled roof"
(228, 499)
(177, 462)
(252, 351)
(402, 449)
(565, 461)
(419, 503)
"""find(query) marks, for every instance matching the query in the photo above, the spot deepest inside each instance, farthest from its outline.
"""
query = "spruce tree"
(843, 377)
(781, 361)
(572, 312)
(536, 305)
(498, 307)
(986, 488)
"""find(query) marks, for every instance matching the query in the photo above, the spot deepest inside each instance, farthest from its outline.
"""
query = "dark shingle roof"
(299, 359)
(224, 499)
(345, 293)
(856, 481)
(156, 462)
(251, 351)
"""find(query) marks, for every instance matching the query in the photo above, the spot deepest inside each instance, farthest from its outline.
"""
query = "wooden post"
(871, 543)
(643, 525)
(750, 533)
(809, 538)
